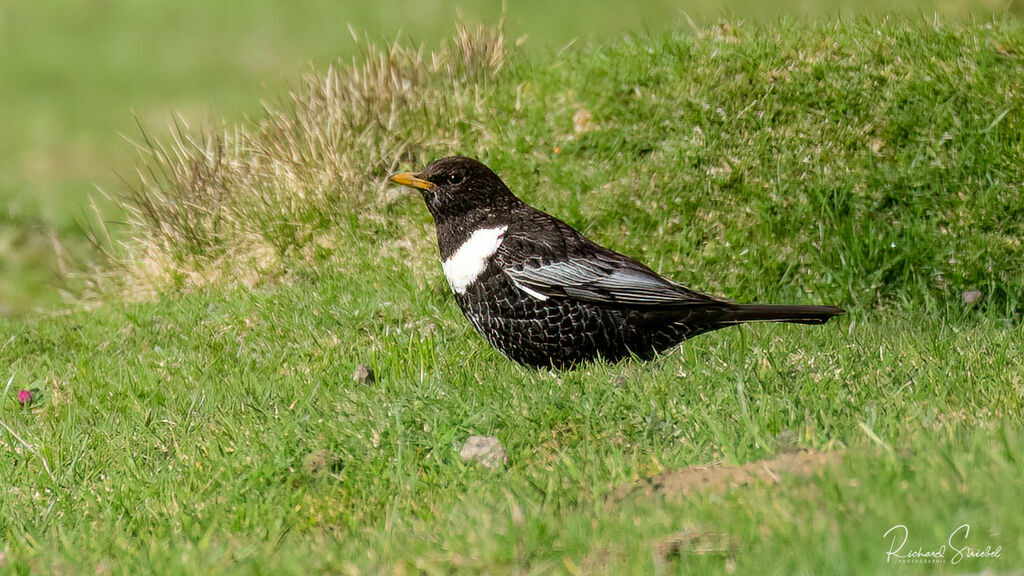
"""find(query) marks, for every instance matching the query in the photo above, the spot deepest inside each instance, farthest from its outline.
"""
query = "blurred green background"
(75, 75)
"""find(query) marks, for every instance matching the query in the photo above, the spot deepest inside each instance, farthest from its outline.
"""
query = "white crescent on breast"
(470, 260)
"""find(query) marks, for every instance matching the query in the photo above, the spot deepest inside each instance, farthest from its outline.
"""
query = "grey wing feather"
(597, 281)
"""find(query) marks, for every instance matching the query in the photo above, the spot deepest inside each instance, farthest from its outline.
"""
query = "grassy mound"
(763, 162)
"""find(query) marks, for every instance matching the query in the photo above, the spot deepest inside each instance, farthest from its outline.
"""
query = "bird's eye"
(455, 178)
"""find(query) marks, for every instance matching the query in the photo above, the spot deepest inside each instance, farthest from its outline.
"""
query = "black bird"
(544, 295)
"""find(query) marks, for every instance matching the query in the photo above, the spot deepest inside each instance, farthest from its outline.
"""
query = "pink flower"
(25, 397)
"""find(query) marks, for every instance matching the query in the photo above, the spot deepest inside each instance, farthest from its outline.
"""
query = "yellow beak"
(412, 180)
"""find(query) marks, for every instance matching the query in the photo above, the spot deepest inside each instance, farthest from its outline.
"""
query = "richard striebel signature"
(955, 547)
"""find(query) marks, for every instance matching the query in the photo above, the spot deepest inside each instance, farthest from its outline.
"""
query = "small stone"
(363, 374)
(583, 121)
(484, 450)
(321, 461)
(971, 296)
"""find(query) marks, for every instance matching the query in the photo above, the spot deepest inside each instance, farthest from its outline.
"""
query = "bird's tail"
(740, 313)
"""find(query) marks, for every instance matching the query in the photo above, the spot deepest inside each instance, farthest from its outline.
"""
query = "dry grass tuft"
(237, 205)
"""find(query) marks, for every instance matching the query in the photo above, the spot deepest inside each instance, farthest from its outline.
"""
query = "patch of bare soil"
(696, 540)
(718, 477)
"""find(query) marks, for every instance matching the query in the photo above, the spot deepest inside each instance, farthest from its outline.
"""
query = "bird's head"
(457, 185)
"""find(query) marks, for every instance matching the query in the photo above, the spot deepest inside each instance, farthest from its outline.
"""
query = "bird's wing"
(603, 280)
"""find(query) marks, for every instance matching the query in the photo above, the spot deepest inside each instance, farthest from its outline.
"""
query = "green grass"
(187, 453)
(870, 164)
